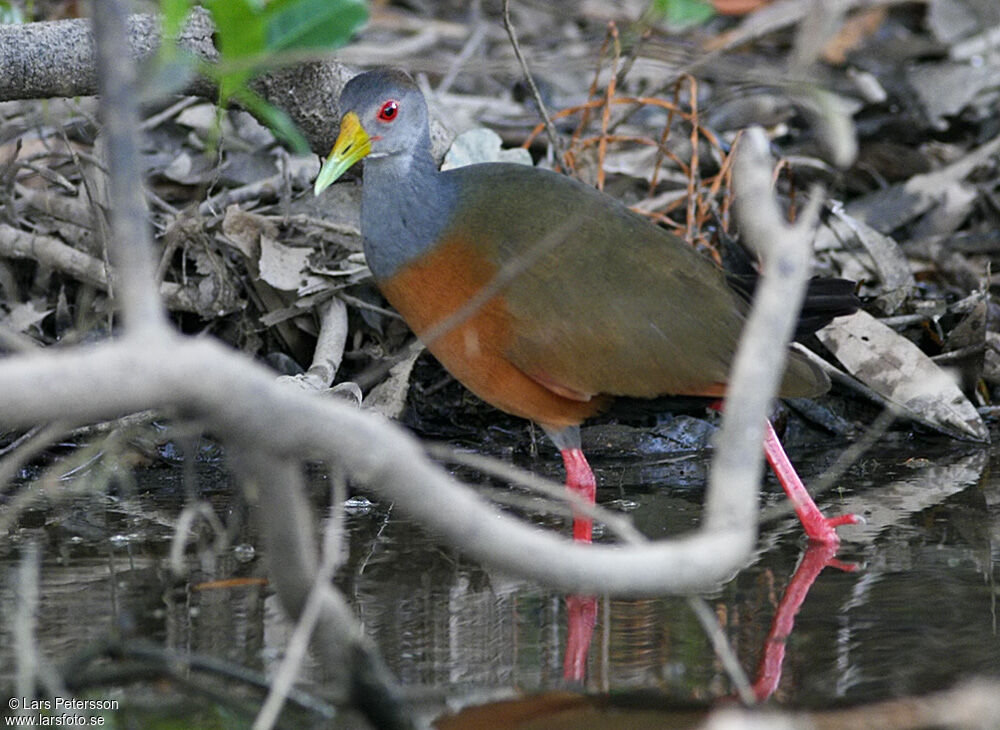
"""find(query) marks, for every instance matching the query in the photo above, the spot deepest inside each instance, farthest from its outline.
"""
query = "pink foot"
(821, 529)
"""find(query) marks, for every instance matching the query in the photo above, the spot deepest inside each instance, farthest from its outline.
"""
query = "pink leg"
(580, 479)
(817, 526)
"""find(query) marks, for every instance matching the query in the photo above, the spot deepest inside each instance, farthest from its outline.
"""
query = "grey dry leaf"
(949, 21)
(843, 231)
(969, 335)
(945, 89)
(991, 360)
(638, 163)
(190, 169)
(482, 145)
(389, 396)
(957, 202)
(24, 316)
(887, 209)
(895, 368)
(286, 267)
(201, 117)
(244, 230)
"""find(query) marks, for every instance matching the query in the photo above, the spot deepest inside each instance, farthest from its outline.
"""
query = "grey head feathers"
(405, 201)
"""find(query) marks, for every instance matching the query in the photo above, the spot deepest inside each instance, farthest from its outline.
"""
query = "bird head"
(383, 113)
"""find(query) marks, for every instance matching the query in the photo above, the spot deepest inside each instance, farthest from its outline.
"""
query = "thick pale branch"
(56, 59)
(257, 418)
(53, 253)
(760, 360)
(329, 351)
(43, 60)
(242, 403)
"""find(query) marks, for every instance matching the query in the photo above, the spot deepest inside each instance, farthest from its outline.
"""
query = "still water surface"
(916, 610)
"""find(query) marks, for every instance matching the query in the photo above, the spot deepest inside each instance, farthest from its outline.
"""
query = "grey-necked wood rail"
(600, 302)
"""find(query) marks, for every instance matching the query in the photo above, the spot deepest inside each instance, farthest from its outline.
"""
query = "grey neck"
(404, 207)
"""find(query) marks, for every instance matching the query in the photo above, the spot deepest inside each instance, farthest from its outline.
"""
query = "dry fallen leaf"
(23, 316)
(738, 7)
(243, 231)
(895, 368)
(841, 230)
(389, 396)
(889, 208)
(285, 267)
(855, 31)
(482, 145)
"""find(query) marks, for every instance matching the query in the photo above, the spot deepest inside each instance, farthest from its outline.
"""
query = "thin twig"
(723, 650)
(26, 448)
(549, 127)
(295, 651)
(475, 41)
(25, 620)
(184, 527)
(130, 244)
(111, 662)
(602, 145)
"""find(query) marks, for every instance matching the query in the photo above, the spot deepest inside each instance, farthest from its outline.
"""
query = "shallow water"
(918, 612)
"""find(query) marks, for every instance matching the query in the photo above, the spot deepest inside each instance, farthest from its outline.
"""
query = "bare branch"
(329, 350)
(131, 245)
(550, 129)
(53, 253)
(241, 402)
(43, 60)
(731, 501)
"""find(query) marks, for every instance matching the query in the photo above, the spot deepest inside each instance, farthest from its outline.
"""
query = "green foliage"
(173, 12)
(254, 35)
(313, 24)
(10, 13)
(681, 13)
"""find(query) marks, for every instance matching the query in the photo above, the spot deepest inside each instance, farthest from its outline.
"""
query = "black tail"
(826, 298)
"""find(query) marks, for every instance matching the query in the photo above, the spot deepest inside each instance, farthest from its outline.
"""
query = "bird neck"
(404, 207)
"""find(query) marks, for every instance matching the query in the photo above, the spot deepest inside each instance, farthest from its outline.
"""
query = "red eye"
(388, 111)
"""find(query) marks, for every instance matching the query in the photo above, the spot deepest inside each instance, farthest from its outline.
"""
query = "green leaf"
(240, 35)
(312, 24)
(279, 122)
(682, 13)
(250, 33)
(174, 13)
(240, 28)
